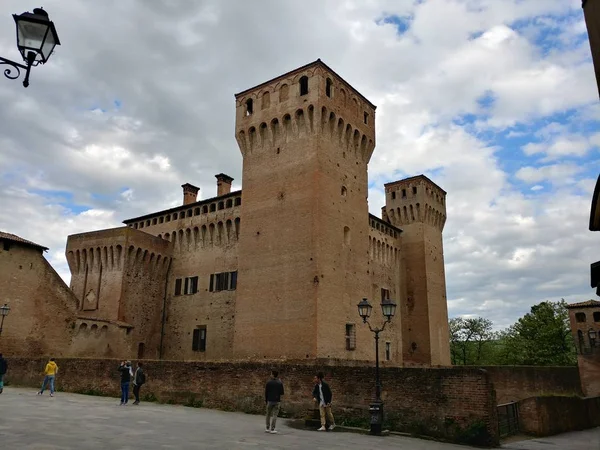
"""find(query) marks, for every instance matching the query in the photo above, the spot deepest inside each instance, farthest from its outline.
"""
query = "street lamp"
(36, 39)
(4, 310)
(388, 308)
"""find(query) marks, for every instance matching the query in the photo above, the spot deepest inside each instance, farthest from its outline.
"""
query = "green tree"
(541, 337)
(468, 338)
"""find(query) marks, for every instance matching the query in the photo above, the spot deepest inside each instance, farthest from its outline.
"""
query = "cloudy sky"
(495, 100)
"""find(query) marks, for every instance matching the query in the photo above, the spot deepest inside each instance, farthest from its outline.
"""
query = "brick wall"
(589, 367)
(453, 404)
(545, 416)
(513, 383)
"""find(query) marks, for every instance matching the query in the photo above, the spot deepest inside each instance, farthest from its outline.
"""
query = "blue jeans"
(48, 379)
(124, 392)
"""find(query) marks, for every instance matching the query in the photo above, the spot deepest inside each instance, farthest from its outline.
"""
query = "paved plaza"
(71, 421)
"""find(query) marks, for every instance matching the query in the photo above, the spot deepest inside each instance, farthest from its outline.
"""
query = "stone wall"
(514, 383)
(545, 416)
(453, 404)
(43, 309)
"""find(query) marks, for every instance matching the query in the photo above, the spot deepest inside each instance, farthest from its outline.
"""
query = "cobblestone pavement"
(71, 421)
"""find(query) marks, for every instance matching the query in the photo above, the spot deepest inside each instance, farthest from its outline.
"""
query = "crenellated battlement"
(416, 200)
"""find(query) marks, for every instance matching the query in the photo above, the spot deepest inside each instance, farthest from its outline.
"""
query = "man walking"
(139, 378)
(322, 395)
(50, 372)
(126, 374)
(3, 369)
(273, 393)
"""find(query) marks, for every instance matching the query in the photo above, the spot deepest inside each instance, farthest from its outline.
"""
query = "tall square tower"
(306, 138)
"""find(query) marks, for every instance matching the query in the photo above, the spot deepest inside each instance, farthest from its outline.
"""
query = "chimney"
(190, 193)
(223, 184)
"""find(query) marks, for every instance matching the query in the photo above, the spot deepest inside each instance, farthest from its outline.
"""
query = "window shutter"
(186, 288)
(178, 286)
(212, 281)
(202, 339)
(194, 285)
(225, 281)
(233, 277)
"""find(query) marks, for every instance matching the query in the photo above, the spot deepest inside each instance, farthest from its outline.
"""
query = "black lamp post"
(4, 310)
(388, 308)
(36, 39)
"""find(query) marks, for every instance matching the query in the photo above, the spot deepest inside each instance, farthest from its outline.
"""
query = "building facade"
(585, 328)
(276, 270)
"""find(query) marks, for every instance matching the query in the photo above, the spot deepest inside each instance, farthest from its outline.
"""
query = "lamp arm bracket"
(16, 67)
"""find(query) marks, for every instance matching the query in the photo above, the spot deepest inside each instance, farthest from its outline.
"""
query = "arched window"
(189, 213)
(221, 205)
(303, 85)
(266, 100)
(168, 218)
(284, 92)
(229, 203)
(213, 207)
(205, 209)
(328, 87)
(181, 215)
(249, 107)
(154, 221)
(238, 201)
(580, 317)
(196, 211)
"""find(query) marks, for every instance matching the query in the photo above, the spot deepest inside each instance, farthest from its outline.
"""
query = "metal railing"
(508, 419)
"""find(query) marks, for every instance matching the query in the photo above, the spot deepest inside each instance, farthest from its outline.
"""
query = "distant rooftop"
(586, 304)
(20, 240)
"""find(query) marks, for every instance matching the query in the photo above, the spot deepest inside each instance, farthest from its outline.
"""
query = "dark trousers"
(136, 392)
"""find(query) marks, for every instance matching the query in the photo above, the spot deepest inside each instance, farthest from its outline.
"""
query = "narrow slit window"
(388, 351)
(304, 85)
(350, 336)
(328, 86)
(366, 118)
(249, 107)
(178, 286)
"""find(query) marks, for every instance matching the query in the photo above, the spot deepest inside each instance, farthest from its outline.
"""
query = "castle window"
(154, 221)
(221, 205)
(161, 219)
(350, 336)
(229, 203)
(189, 213)
(141, 224)
(196, 211)
(597, 317)
(284, 92)
(168, 218)
(385, 294)
(147, 223)
(140, 353)
(403, 193)
(580, 317)
(266, 100)
(393, 195)
(233, 280)
(388, 351)
(178, 286)
(135, 225)
(303, 85)
(190, 286)
(205, 209)
(213, 207)
(366, 118)
(225, 281)
(199, 339)
(328, 86)
(414, 189)
(249, 107)
(238, 201)
(181, 215)
(344, 191)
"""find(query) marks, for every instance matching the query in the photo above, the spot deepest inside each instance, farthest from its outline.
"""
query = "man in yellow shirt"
(49, 374)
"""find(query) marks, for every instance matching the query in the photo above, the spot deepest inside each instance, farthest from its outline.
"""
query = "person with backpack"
(139, 378)
(273, 393)
(126, 375)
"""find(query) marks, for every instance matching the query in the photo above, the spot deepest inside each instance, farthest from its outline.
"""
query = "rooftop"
(586, 304)
(20, 240)
(405, 180)
(318, 62)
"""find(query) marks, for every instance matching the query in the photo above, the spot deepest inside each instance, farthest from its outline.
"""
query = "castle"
(277, 269)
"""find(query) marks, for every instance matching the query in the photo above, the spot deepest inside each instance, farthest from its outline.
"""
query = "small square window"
(199, 339)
